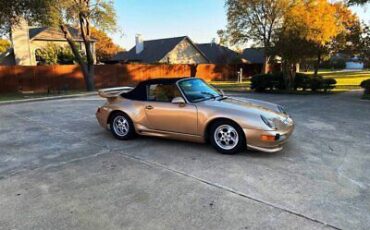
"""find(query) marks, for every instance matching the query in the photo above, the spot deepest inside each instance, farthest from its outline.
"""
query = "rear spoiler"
(114, 92)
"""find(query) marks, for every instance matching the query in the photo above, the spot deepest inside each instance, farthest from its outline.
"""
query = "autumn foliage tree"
(309, 26)
(4, 45)
(104, 47)
(348, 41)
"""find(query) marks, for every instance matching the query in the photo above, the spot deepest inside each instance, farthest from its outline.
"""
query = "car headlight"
(268, 121)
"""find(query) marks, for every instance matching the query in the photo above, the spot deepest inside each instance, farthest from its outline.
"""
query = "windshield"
(197, 90)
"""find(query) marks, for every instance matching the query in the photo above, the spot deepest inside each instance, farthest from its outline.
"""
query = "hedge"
(366, 85)
(275, 81)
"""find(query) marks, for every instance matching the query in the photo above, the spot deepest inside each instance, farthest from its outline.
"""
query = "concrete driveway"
(60, 170)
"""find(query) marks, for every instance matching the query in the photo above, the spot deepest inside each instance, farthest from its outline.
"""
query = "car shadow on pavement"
(203, 148)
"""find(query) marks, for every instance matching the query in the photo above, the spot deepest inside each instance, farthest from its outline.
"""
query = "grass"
(22, 96)
(232, 86)
(346, 81)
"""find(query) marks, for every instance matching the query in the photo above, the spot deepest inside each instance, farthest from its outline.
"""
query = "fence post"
(240, 75)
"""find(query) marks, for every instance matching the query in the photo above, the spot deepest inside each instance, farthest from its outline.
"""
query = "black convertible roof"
(160, 81)
(139, 92)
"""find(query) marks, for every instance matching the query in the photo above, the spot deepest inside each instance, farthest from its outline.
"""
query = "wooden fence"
(69, 77)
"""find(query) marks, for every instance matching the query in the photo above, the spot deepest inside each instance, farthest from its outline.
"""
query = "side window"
(162, 92)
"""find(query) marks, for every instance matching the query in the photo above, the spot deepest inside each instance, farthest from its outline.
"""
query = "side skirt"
(170, 135)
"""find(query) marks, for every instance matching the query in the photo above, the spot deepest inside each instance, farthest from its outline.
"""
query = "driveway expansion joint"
(227, 189)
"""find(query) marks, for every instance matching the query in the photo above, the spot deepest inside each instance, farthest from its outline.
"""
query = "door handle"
(149, 107)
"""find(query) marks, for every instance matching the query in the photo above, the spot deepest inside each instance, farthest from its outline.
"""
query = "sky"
(198, 19)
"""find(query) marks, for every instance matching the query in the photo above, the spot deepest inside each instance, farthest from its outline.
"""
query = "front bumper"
(254, 140)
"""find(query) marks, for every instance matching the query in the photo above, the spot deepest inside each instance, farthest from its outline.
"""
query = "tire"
(121, 126)
(227, 137)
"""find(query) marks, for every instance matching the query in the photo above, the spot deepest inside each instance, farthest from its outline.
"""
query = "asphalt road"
(60, 170)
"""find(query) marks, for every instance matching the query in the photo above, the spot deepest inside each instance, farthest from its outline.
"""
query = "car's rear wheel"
(227, 137)
(121, 126)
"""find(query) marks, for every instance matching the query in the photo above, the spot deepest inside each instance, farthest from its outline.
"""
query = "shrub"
(278, 81)
(315, 83)
(328, 84)
(366, 85)
(260, 82)
(301, 81)
(275, 81)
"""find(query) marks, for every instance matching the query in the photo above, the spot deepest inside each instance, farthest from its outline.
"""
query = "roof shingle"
(218, 54)
(53, 34)
(154, 50)
(254, 55)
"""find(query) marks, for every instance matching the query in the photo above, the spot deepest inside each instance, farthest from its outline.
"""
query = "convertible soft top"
(139, 92)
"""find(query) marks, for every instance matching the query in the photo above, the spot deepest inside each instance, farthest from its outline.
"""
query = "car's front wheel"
(121, 126)
(227, 137)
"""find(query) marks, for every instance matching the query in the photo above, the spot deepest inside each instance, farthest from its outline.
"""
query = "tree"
(308, 27)
(365, 44)
(32, 10)
(48, 55)
(223, 37)
(348, 40)
(4, 45)
(318, 22)
(54, 54)
(82, 14)
(104, 48)
(256, 20)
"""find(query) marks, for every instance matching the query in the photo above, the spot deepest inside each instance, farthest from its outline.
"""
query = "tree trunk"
(193, 70)
(87, 69)
(292, 72)
(289, 75)
(85, 33)
(284, 66)
(317, 65)
(266, 66)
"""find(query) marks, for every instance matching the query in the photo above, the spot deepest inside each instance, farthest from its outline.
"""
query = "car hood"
(258, 106)
(251, 107)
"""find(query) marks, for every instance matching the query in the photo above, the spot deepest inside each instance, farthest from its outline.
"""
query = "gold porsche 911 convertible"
(189, 109)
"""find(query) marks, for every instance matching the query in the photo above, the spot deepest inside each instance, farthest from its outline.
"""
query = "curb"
(48, 98)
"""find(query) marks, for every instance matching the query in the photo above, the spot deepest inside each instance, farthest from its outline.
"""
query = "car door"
(162, 115)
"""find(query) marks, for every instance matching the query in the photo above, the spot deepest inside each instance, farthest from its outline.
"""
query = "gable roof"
(254, 55)
(154, 50)
(218, 54)
(53, 34)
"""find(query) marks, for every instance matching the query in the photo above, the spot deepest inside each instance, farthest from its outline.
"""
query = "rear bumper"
(102, 116)
(254, 141)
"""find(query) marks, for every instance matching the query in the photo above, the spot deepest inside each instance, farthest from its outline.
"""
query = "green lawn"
(346, 80)
(232, 86)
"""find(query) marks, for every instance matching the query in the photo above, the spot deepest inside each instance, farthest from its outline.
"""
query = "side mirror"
(178, 100)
